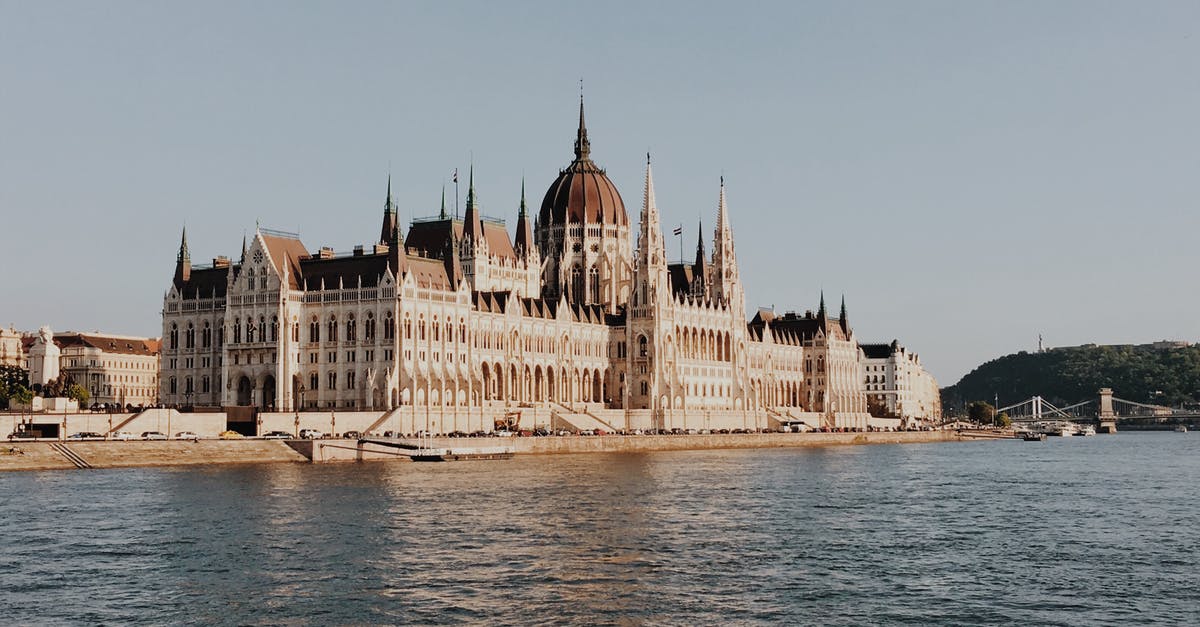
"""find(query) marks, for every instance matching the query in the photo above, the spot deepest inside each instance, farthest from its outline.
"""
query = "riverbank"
(43, 455)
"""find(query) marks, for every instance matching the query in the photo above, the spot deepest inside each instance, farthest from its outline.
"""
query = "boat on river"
(1180, 429)
(1031, 436)
(1085, 430)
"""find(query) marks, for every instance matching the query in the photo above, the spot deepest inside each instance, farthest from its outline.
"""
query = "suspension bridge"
(1106, 411)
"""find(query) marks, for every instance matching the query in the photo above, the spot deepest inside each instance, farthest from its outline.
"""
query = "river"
(1074, 531)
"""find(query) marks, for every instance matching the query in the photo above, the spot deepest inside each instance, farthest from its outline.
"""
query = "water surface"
(1075, 531)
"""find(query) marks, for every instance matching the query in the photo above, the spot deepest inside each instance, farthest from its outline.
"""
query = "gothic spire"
(473, 226)
(243, 259)
(183, 262)
(389, 215)
(845, 322)
(524, 241)
(583, 148)
(442, 215)
(184, 255)
(821, 309)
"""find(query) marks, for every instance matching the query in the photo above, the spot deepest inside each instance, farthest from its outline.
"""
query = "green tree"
(1003, 420)
(78, 393)
(981, 412)
(12, 378)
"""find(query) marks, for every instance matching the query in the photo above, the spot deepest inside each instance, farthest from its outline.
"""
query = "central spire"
(583, 148)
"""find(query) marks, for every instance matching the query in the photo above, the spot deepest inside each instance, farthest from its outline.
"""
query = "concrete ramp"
(576, 422)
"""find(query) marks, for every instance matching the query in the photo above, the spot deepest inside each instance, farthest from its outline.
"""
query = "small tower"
(843, 319)
(389, 215)
(700, 267)
(183, 263)
(523, 242)
(472, 220)
(726, 282)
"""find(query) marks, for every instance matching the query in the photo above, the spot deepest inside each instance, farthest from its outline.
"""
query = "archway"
(245, 391)
(268, 393)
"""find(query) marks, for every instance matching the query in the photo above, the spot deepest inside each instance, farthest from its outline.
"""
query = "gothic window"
(421, 329)
(436, 331)
(333, 329)
(172, 385)
(576, 283)
(350, 380)
(274, 328)
(594, 284)
(262, 282)
(187, 386)
(250, 330)
(295, 331)
(332, 381)
(462, 331)
(314, 330)
(262, 329)
(237, 331)
(351, 329)
(389, 327)
(204, 384)
(642, 346)
(407, 326)
(206, 336)
(369, 327)
(314, 382)
(174, 336)
(221, 335)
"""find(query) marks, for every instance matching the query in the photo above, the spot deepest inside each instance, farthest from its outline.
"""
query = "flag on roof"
(679, 230)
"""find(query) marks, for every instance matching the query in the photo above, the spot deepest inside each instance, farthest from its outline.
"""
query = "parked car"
(231, 435)
(153, 435)
(23, 435)
(121, 435)
(85, 435)
(310, 434)
(352, 435)
(503, 433)
(277, 435)
(186, 435)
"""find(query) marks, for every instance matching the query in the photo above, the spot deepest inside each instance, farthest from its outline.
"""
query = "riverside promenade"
(47, 455)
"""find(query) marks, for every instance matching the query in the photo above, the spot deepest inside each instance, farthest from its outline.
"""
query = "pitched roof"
(114, 344)
(347, 270)
(205, 283)
(286, 251)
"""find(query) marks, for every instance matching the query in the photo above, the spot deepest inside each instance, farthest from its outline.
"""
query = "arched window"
(333, 328)
(206, 336)
(314, 330)
(351, 329)
(332, 381)
(237, 331)
(389, 327)
(274, 328)
(250, 279)
(314, 382)
(174, 336)
(642, 346)
(421, 329)
(594, 284)
(262, 329)
(576, 283)
(221, 336)
(250, 330)
(369, 327)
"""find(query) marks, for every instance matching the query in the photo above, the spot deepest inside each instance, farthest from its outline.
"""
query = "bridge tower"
(1106, 416)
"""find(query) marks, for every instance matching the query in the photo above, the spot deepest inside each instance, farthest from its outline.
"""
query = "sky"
(969, 175)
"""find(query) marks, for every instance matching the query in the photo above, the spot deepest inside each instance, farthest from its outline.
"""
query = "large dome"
(582, 192)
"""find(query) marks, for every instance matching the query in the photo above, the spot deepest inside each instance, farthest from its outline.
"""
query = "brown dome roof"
(582, 193)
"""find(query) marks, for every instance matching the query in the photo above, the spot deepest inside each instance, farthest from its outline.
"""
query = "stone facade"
(12, 353)
(458, 321)
(898, 384)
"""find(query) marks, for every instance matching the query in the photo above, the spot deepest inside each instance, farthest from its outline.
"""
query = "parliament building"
(574, 318)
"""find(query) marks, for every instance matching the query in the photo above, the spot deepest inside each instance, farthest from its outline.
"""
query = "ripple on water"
(1064, 532)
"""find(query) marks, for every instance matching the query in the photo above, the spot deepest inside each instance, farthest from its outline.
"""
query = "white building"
(457, 320)
(898, 385)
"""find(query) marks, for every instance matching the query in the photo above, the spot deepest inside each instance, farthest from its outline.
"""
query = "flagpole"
(681, 243)
(455, 193)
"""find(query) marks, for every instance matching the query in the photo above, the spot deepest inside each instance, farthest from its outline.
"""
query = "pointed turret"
(472, 224)
(583, 148)
(389, 215)
(442, 215)
(843, 319)
(725, 280)
(243, 259)
(396, 254)
(523, 243)
(650, 278)
(821, 310)
(700, 267)
(183, 262)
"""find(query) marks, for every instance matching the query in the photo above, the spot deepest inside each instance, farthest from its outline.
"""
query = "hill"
(1165, 375)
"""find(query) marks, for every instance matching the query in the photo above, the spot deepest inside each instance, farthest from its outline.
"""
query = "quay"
(57, 455)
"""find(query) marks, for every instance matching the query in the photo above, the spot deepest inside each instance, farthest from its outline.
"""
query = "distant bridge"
(1106, 409)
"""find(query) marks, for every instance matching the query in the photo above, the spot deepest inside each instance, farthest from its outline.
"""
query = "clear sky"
(968, 174)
